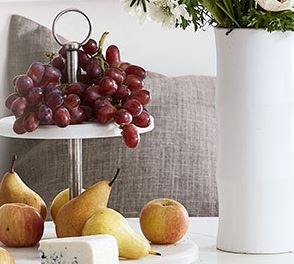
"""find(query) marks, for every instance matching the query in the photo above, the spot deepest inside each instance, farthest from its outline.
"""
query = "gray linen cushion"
(176, 160)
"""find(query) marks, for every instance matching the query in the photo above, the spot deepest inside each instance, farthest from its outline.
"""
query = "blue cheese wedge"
(97, 249)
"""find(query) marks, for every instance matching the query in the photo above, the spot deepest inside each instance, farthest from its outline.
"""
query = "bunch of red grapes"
(108, 90)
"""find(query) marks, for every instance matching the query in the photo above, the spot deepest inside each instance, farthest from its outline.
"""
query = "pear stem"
(115, 177)
(14, 157)
(151, 252)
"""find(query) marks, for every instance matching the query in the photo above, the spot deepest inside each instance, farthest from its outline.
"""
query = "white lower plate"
(183, 252)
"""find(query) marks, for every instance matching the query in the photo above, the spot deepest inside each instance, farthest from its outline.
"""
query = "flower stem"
(228, 14)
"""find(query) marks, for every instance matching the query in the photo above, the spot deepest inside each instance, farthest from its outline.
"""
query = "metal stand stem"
(75, 150)
(74, 145)
(72, 61)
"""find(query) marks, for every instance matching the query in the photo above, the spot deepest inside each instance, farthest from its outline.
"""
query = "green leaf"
(271, 21)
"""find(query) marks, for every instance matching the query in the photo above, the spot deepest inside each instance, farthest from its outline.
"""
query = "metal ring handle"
(59, 15)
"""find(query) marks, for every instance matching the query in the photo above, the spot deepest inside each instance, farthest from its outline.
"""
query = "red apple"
(164, 221)
(21, 225)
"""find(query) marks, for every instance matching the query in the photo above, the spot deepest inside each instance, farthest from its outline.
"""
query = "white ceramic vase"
(255, 161)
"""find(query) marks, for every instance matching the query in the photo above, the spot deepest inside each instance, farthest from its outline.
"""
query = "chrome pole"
(75, 146)
(75, 178)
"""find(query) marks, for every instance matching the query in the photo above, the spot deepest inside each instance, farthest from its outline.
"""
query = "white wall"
(170, 52)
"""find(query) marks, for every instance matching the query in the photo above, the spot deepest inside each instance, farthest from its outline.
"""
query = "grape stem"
(99, 55)
(103, 63)
(101, 42)
(49, 55)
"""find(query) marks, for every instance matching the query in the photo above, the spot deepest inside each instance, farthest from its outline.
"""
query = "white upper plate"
(84, 130)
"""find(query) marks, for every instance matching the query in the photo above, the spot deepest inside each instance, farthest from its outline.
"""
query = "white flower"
(276, 5)
(167, 12)
(136, 10)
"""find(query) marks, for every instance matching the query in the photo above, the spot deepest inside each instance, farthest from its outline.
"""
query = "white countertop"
(202, 231)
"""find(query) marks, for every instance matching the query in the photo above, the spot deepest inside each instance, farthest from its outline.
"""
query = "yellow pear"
(60, 199)
(5, 257)
(72, 216)
(14, 190)
(108, 221)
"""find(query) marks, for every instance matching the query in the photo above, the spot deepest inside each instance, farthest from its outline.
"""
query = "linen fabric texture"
(176, 160)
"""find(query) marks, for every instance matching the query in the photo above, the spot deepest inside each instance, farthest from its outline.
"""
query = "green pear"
(14, 190)
(108, 221)
(72, 216)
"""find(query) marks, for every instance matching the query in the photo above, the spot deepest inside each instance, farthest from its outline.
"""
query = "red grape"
(122, 93)
(77, 115)
(30, 122)
(61, 117)
(134, 82)
(107, 86)
(116, 74)
(9, 100)
(51, 88)
(19, 106)
(85, 79)
(93, 69)
(45, 114)
(131, 135)
(97, 80)
(58, 62)
(91, 94)
(54, 100)
(100, 102)
(143, 120)
(35, 96)
(90, 47)
(75, 88)
(72, 101)
(143, 96)
(23, 85)
(14, 79)
(64, 76)
(83, 59)
(18, 126)
(62, 52)
(105, 114)
(51, 75)
(136, 70)
(36, 72)
(113, 56)
(122, 117)
(88, 112)
(133, 106)
(124, 65)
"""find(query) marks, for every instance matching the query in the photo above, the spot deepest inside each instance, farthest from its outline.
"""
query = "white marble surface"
(202, 231)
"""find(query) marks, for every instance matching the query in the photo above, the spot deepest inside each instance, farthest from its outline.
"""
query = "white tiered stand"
(184, 252)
